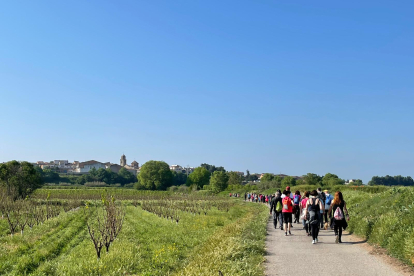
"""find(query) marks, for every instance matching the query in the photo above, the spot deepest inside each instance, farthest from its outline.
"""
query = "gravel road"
(296, 255)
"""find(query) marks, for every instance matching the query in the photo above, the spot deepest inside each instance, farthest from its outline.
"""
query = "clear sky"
(271, 86)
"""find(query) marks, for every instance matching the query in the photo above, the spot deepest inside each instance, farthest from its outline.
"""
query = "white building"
(349, 181)
(85, 167)
(176, 168)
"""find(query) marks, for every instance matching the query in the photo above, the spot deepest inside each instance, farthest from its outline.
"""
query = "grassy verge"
(237, 249)
(385, 219)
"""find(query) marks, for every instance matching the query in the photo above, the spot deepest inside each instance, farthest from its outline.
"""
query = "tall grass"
(385, 219)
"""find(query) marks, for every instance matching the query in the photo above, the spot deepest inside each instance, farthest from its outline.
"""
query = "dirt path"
(295, 254)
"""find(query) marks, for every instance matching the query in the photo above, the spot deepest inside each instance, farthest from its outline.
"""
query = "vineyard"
(126, 232)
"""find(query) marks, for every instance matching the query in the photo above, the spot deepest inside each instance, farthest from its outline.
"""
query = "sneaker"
(316, 240)
(336, 239)
(290, 233)
(313, 241)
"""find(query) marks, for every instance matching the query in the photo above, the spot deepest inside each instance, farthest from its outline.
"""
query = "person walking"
(302, 207)
(322, 199)
(276, 210)
(296, 201)
(313, 207)
(328, 201)
(287, 212)
(338, 208)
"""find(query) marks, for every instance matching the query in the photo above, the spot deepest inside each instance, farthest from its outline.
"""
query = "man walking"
(276, 210)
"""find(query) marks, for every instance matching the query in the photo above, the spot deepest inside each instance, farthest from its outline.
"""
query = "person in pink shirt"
(302, 206)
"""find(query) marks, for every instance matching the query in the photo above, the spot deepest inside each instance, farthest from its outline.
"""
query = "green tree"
(267, 177)
(299, 181)
(179, 178)
(219, 181)
(391, 180)
(93, 172)
(332, 180)
(312, 179)
(50, 176)
(101, 175)
(277, 179)
(357, 182)
(212, 168)
(126, 176)
(19, 179)
(155, 175)
(235, 178)
(199, 177)
(288, 181)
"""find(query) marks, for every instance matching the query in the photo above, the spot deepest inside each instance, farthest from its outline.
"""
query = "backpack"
(338, 215)
(296, 200)
(329, 200)
(313, 212)
(286, 202)
(279, 207)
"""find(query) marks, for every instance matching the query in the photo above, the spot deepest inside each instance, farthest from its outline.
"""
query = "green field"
(229, 238)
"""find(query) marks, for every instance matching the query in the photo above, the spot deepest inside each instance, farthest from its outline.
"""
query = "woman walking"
(313, 207)
(302, 207)
(338, 207)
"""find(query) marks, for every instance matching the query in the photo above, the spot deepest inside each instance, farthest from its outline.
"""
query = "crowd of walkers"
(316, 210)
(252, 197)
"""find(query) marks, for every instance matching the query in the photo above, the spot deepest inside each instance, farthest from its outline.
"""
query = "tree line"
(156, 175)
(313, 179)
(391, 181)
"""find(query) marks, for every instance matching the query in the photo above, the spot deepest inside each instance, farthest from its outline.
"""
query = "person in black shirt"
(277, 215)
(339, 223)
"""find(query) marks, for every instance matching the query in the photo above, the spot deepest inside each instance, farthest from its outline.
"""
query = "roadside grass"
(385, 219)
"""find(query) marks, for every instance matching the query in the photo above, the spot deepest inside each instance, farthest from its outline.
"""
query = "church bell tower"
(123, 160)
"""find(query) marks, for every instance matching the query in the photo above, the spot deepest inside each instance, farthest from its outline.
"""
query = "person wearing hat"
(328, 202)
(290, 193)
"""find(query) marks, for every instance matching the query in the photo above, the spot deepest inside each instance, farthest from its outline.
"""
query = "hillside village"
(79, 168)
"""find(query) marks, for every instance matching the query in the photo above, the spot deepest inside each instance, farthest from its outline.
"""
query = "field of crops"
(148, 233)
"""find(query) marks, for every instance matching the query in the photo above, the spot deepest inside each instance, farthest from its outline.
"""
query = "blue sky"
(271, 86)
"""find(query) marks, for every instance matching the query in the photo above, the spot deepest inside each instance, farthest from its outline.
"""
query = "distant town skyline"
(271, 86)
(135, 166)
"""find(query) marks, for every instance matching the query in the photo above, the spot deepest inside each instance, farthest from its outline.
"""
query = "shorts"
(287, 217)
